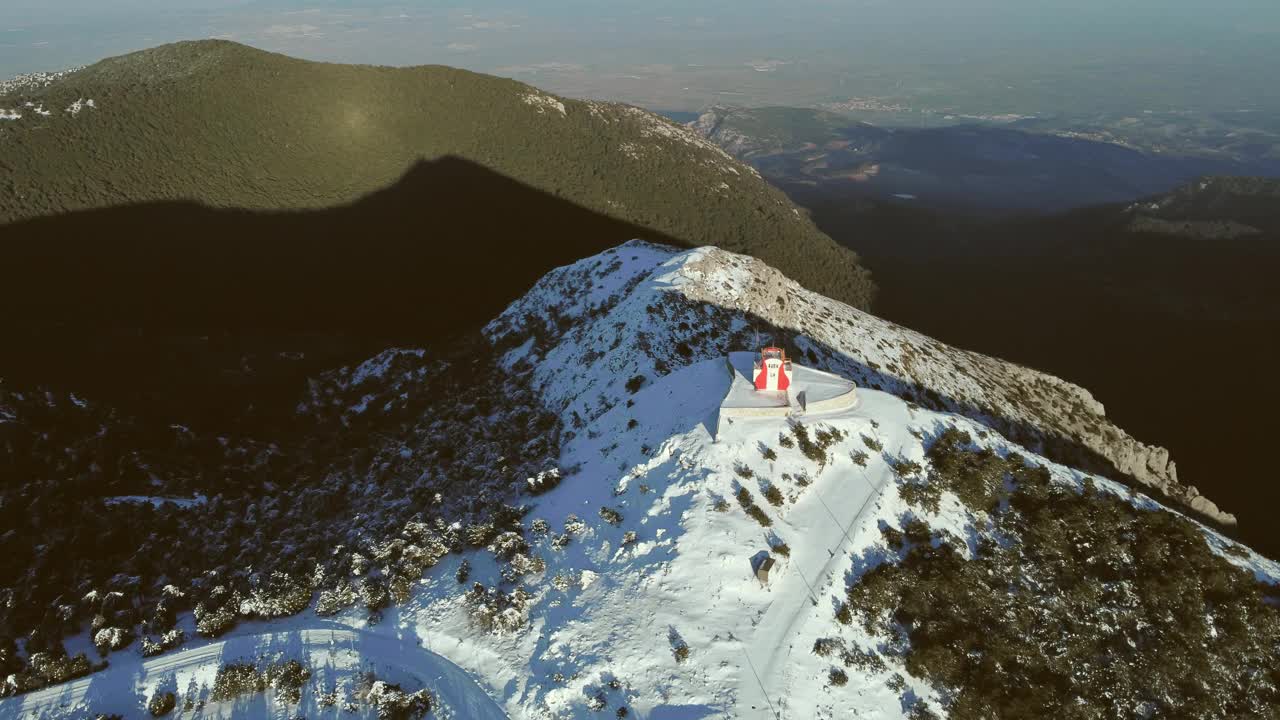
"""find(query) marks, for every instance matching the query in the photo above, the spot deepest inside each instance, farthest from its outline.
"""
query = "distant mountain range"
(973, 167)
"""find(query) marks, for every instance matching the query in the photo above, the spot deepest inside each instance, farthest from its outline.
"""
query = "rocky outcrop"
(711, 125)
(1047, 413)
(641, 309)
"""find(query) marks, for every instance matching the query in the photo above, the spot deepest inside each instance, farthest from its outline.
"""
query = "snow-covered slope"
(643, 310)
(634, 585)
(647, 550)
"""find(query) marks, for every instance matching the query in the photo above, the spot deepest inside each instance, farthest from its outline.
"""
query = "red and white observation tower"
(773, 370)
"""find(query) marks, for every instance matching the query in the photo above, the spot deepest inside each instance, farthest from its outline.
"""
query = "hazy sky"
(689, 52)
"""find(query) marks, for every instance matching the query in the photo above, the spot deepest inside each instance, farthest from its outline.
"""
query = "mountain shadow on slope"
(194, 314)
(231, 126)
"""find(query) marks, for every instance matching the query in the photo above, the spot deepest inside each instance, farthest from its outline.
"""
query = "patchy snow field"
(648, 599)
(617, 602)
(335, 653)
(543, 103)
(610, 300)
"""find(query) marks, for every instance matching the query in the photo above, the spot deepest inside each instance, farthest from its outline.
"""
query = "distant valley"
(979, 164)
(1131, 272)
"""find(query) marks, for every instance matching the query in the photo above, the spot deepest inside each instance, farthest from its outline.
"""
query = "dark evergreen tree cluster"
(113, 525)
(1074, 604)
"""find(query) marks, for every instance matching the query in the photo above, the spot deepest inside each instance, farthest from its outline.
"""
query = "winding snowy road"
(330, 649)
(828, 520)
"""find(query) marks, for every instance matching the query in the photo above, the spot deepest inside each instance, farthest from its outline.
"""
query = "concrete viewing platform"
(811, 391)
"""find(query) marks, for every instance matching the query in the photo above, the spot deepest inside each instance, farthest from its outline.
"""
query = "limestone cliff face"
(710, 125)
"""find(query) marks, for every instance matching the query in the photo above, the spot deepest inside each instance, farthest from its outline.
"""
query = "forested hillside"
(229, 126)
(200, 226)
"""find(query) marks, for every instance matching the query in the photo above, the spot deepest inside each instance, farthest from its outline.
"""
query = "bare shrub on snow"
(279, 596)
(611, 516)
(508, 544)
(332, 600)
(679, 648)
(112, 638)
(573, 525)
(392, 702)
(168, 641)
(522, 565)
(497, 611)
(162, 703)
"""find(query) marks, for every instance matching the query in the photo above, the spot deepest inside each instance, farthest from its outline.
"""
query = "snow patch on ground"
(34, 81)
(155, 501)
(80, 104)
(39, 109)
(632, 150)
(652, 125)
(336, 654)
(361, 406)
(543, 103)
(378, 365)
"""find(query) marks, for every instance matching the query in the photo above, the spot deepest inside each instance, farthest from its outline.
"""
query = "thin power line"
(870, 496)
(844, 529)
(833, 517)
(813, 596)
(761, 684)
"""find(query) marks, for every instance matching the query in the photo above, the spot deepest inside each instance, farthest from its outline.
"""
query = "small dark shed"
(761, 564)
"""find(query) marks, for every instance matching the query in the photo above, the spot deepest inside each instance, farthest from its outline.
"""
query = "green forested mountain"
(206, 220)
(232, 127)
(1212, 207)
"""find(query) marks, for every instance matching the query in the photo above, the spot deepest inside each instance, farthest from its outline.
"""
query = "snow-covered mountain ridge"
(643, 309)
(627, 583)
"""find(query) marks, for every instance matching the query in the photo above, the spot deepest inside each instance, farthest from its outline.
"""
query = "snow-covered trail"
(124, 687)
(827, 518)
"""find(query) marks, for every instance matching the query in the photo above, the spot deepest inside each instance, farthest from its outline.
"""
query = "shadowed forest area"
(229, 126)
(192, 314)
(1174, 335)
